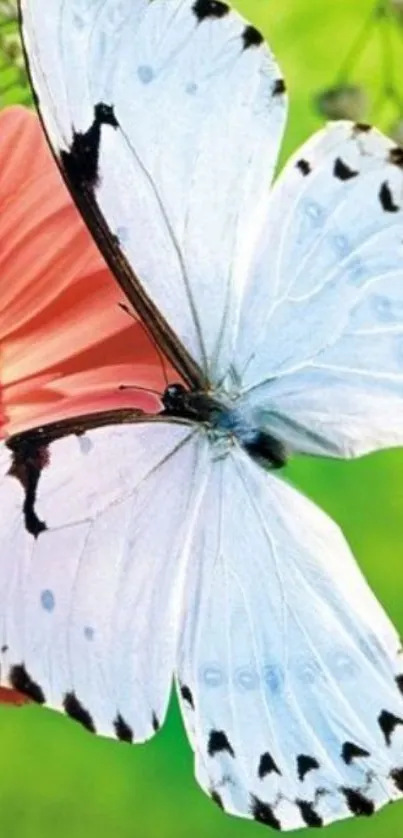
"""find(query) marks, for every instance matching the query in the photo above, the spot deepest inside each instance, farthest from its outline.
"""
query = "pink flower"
(66, 345)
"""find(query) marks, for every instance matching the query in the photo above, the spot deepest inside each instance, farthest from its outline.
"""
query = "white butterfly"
(138, 548)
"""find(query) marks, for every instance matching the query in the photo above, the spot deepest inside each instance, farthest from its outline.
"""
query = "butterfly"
(140, 549)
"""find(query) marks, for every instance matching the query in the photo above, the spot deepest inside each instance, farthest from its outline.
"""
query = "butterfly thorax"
(224, 420)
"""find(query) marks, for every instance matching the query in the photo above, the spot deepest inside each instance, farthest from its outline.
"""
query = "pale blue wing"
(166, 118)
(288, 668)
(88, 605)
(320, 349)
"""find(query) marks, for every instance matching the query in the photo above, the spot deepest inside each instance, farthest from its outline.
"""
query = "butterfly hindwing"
(288, 668)
(177, 125)
(91, 561)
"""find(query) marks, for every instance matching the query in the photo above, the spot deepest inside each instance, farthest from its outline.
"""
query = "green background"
(57, 780)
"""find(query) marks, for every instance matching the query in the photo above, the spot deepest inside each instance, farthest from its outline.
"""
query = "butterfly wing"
(91, 532)
(288, 668)
(325, 298)
(166, 120)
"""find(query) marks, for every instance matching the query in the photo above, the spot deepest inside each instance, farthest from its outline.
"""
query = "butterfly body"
(225, 422)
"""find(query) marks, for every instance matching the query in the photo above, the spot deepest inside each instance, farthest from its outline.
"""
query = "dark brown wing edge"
(156, 324)
(46, 434)
(30, 452)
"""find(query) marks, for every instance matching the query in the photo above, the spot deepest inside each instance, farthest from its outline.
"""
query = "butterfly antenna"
(151, 337)
(141, 389)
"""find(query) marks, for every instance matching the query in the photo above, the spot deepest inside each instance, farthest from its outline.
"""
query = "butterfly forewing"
(169, 151)
(324, 366)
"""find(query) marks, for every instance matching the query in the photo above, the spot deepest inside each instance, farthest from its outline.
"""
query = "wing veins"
(271, 543)
(379, 376)
(303, 630)
(130, 494)
(176, 247)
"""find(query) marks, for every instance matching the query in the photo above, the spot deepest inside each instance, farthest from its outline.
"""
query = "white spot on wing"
(246, 678)
(212, 675)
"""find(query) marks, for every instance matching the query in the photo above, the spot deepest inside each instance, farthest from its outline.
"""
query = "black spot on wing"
(251, 37)
(187, 695)
(351, 751)
(386, 198)
(399, 683)
(81, 163)
(362, 128)
(267, 766)
(309, 814)
(263, 813)
(33, 524)
(75, 710)
(396, 156)
(388, 722)
(21, 681)
(305, 764)
(304, 167)
(216, 798)
(29, 458)
(209, 9)
(218, 742)
(105, 115)
(123, 731)
(342, 171)
(155, 723)
(357, 802)
(279, 87)
(397, 776)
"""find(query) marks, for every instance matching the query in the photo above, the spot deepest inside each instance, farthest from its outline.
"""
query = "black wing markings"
(84, 197)
(30, 450)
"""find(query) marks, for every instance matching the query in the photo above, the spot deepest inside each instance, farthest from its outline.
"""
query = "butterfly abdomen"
(259, 444)
(267, 449)
(224, 421)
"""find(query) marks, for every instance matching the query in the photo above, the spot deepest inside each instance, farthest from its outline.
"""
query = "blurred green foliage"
(14, 86)
(56, 781)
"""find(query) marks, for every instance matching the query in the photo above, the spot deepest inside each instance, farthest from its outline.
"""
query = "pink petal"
(66, 346)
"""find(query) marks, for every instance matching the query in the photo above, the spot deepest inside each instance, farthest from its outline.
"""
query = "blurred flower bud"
(8, 9)
(396, 132)
(397, 9)
(346, 101)
(11, 47)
